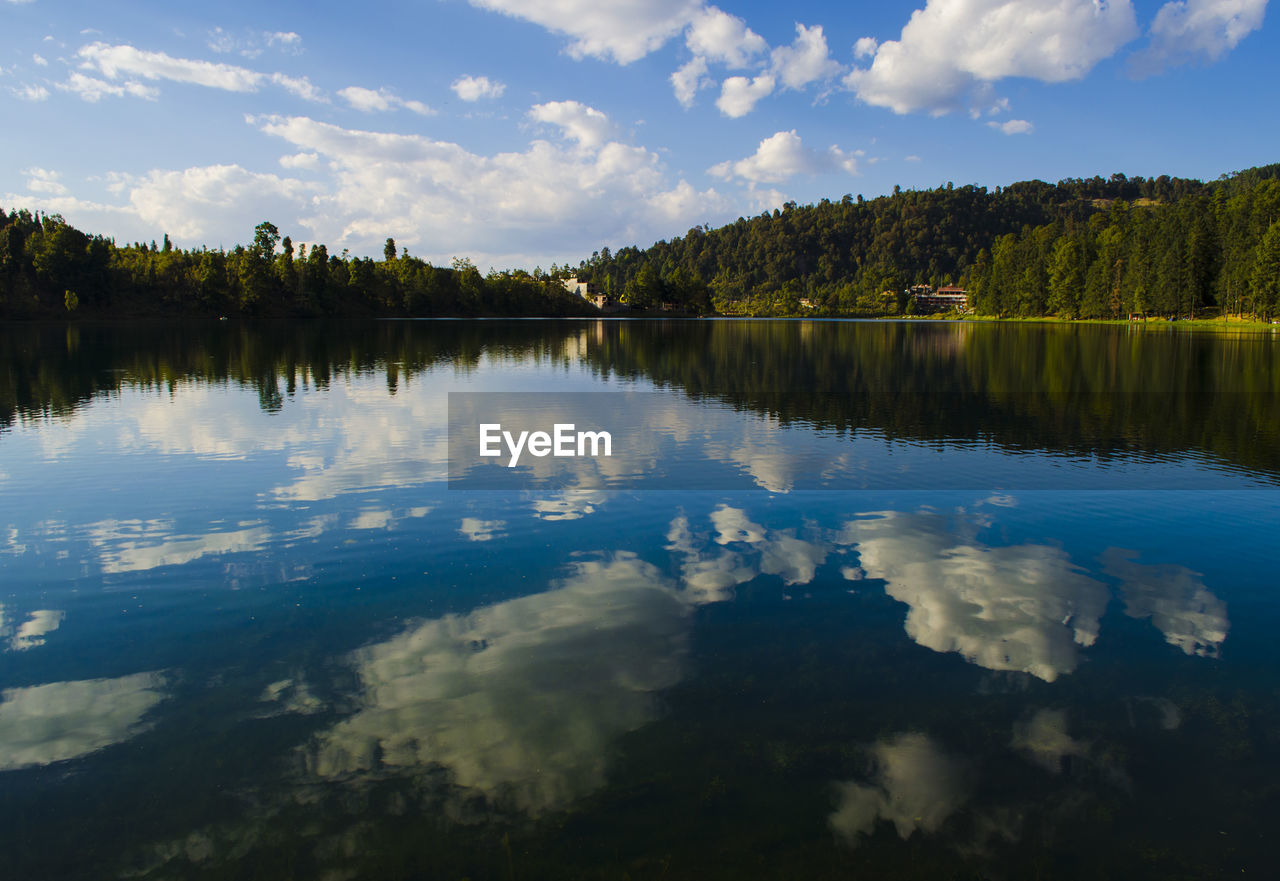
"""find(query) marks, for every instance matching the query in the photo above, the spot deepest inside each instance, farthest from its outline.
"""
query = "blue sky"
(526, 132)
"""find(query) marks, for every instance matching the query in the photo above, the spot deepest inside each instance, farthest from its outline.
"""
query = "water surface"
(863, 598)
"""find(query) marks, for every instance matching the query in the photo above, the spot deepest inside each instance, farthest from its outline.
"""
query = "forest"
(1093, 248)
(1096, 248)
(48, 268)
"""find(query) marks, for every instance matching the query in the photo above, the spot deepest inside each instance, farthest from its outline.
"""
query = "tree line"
(1081, 248)
(49, 268)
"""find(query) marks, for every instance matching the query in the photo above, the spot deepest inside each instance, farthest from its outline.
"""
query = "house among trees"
(944, 298)
(590, 291)
(584, 289)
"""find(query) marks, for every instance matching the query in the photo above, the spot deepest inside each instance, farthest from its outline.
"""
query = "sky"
(522, 133)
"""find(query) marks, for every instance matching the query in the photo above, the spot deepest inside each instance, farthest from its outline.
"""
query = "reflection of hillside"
(1084, 390)
(52, 370)
(1103, 391)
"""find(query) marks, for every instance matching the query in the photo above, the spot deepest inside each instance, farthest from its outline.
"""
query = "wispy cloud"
(373, 101)
(123, 61)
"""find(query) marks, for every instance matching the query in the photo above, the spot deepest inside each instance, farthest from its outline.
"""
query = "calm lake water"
(850, 600)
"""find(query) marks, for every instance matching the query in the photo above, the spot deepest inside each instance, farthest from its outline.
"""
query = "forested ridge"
(1095, 248)
(1082, 248)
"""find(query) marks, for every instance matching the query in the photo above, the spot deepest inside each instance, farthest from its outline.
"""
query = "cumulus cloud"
(195, 201)
(371, 101)
(520, 701)
(689, 79)
(781, 156)
(951, 47)
(64, 720)
(1013, 127)
(475, 88)
(1020, 607)
(916, 786)
(1174, 598)
(715, 35)
(739, 94)
(122, 61)
(806, 60)
(41, 180)
(305, 161)
(865, 47)
(623, 30)
(1197, 30)
(540, 201)
(588, 126)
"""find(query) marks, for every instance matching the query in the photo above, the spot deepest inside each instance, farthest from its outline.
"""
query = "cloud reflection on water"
(1020, 607)
(519, 700)
(41, 724)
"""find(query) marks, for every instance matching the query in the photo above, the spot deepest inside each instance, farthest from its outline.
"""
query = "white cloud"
(42, 180)
(518, 208)
(251, 45)
(738, 94)
(624, 30)
(1013, 127)
(305, 161)
(782, 156)
(539, 202)
(865, 47)
(287, 40)
(39, 59)
(302, 87)
(370, 101)
(28, 92)
(916, 786)
(589, 127)
(688, 79)
(475, 88)
(49, 723)
(951, 47)
(1197, 30)
(115, 62)
(92, 89)
(195, 201)
(806, 60)
(717, 36)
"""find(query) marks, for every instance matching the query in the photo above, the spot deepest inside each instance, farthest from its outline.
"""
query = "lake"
(847, 599)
